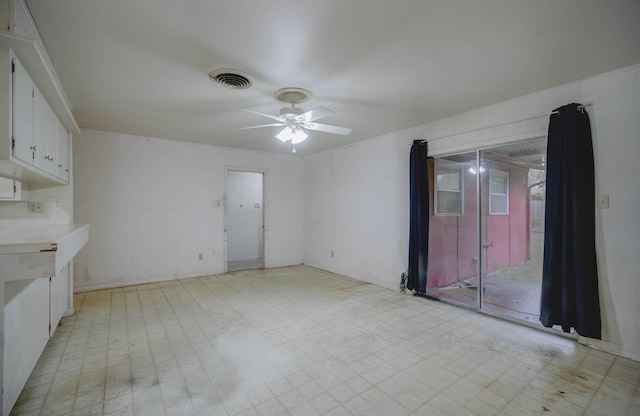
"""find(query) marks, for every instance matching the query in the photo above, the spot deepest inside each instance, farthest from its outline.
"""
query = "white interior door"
(245, 230)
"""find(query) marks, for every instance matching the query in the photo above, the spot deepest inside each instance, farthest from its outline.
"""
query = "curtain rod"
(581, 107)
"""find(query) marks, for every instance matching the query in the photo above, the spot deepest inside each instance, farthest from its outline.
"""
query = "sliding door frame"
(479, 305)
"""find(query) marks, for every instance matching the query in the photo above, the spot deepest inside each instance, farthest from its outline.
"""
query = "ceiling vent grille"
(230, 78)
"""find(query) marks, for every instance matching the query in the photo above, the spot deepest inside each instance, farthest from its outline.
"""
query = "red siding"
(519, 223)
(453, 246)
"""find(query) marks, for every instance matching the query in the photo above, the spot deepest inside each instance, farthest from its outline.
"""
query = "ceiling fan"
(295, 120)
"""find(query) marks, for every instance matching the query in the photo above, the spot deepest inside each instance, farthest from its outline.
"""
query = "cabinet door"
(40, 116)
(21, 21)
(52, 142)
(22, 113)
(58, 297)
(26, 329)
(6, 188)
(62, 153)
(10, 190)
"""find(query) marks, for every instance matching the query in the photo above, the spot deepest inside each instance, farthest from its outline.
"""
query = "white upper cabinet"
(40, 131)
(35, 136)
(51, 154)
(63, 153)
(21, 22)
(10, 190)
(22, 113)
(40, 140)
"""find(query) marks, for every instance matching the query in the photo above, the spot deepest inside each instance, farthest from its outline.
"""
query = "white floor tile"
(301, 341)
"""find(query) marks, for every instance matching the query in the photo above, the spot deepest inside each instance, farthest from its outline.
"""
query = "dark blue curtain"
(418, 218)
(569, 273)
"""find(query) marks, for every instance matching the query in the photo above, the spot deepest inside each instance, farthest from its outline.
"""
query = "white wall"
(357, 196)
(154, 205)
(357, 206)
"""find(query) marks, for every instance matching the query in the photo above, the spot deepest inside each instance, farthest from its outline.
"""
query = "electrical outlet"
(36, 207)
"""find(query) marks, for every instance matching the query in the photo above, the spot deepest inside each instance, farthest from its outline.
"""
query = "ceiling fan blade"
(315, 114)
(327, 128)
(280, 119)
(262, 125)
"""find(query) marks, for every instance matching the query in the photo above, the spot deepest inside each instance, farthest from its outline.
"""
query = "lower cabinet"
(32, 311)
(59, 292)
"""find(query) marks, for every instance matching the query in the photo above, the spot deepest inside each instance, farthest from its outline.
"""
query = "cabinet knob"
(33, 148)
(66, 170)
(60, 165)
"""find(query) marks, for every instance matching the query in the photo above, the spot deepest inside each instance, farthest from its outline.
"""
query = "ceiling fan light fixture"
(295, 121)
(298, 136)
(293, 135)
(284, 135)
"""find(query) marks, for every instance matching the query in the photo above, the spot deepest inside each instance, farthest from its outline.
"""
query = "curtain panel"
(570, 296)
(418, 218)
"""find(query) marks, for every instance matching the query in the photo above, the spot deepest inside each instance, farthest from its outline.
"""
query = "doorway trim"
(233, 168)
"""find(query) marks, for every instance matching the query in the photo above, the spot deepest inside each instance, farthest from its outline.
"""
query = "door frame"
(231, 168)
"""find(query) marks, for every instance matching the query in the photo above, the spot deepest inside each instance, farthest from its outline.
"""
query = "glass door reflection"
(487, 229)
(453, 230)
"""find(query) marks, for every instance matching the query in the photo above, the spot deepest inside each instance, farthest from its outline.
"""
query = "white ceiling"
(141, 66)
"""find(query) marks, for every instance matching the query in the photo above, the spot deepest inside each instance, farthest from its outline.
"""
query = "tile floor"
(300, 341)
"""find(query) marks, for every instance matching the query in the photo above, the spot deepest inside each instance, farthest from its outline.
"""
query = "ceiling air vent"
(230, 78)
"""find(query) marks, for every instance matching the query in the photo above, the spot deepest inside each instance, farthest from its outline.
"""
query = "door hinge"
(13, 143)
(15, 189)
(13, 67)
(33, 94)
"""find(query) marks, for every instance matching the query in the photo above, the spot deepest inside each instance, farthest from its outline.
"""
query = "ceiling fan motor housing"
(290, 112)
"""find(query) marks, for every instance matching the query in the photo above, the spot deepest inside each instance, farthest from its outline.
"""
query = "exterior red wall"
(518, 219)
(453, 245)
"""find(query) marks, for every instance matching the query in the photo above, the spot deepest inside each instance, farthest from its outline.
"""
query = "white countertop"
(32, 240)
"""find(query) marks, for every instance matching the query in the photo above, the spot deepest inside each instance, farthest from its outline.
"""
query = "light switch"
(603, 201)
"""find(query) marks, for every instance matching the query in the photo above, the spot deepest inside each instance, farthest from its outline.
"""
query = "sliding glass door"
(453, 230)
(512, 238)
(487, 229)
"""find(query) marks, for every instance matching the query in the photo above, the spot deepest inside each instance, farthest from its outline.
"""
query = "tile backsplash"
(58, 209)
